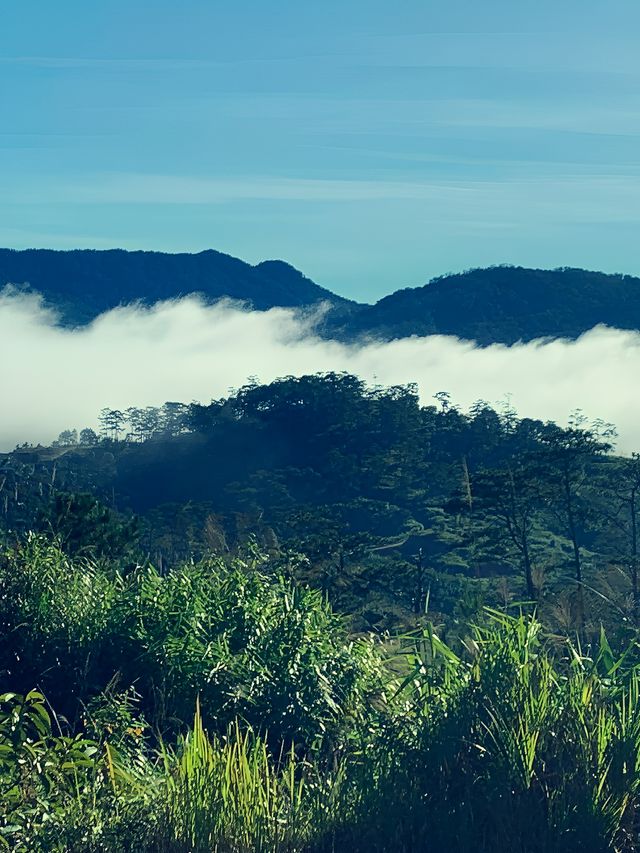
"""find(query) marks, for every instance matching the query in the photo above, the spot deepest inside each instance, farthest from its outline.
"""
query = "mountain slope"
(84, 283)
(502, 305)
(495, 305)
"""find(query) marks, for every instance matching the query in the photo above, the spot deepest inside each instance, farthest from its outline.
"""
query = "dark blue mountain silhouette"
(501, 304)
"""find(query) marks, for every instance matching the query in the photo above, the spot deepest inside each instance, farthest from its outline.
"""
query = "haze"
(56, 378)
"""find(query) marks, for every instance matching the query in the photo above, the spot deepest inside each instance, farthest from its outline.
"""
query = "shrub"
(250, 645)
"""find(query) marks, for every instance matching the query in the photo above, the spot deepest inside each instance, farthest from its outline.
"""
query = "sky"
(373, 145)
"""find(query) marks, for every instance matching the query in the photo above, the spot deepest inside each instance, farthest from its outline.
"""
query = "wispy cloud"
(110, 63)
(552, 47)
(583, 197)
(23, 238)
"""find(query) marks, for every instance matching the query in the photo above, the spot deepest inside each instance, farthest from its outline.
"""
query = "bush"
(315, 742)
(250, 645)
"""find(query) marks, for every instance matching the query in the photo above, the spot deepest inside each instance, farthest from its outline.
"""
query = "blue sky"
(373, 145)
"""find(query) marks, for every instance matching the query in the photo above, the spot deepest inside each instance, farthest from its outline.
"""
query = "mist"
(53, 378)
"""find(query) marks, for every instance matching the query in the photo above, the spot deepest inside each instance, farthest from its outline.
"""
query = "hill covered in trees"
(495, 305)
(387, 503)
(503, 305)
(84, 283)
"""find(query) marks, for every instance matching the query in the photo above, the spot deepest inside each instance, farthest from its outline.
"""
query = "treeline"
(133, 424)
(389, 503)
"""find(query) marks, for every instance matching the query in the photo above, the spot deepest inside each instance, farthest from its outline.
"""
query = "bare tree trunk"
(528, 573)
(634, 557)
(577, 559)
(417, 604)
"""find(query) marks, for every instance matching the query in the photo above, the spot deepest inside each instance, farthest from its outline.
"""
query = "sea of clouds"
(54, 378)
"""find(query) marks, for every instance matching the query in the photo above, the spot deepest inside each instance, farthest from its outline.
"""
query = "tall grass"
(512, 745)
(304, 740)
(230, 794)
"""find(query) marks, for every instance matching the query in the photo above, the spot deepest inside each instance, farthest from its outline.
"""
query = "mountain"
(500, 304)
(84, 283)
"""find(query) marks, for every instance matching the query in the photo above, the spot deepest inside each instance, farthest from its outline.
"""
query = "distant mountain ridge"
(83, 283)
(501, 304)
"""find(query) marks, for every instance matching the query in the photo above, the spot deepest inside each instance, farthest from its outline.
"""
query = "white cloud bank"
(53, 378)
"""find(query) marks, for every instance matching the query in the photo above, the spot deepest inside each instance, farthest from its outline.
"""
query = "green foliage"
(62, 792)
(83, 525)
(251, 645)
(513, 744)
(55, 616)
(364, 482)
(488, 732)
(230, 794)
(509, 746)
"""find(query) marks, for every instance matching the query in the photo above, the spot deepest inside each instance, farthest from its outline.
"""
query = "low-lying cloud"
(53, 378)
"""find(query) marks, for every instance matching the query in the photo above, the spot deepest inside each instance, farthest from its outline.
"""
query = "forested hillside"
(84, 283)
(382, 503)
(504, 304)
(500, 304)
